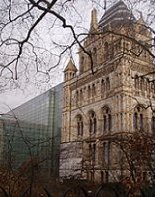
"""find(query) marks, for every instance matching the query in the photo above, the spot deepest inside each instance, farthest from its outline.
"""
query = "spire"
(70, 67)
(141, 19)
(94, 23)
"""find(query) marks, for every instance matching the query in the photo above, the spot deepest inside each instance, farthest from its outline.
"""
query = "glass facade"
(31, 132)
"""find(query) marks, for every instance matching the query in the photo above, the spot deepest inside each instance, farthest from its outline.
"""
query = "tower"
(107, 96)
(69, 74)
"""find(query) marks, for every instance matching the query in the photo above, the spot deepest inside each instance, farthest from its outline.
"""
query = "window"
(94, 125)
(79, 125)
(109, 122)
(147, 85)
(107, 119)
(89, 92)
(102, 87)
(104, 122)
(106, 152)
(141, 83)
(93, 90)
(135, 120)
(77, 97)
(106, 176)
(138, 119)
(107, 83)
(153, 124)
(141, 121)
(90, 125)
(92, 122)
(81, 96)
(92, 152)
(136, 81)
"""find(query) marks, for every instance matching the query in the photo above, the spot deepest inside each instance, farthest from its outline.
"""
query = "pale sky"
(36, 83)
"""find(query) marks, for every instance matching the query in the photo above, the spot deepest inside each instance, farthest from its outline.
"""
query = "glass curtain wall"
(31, 132)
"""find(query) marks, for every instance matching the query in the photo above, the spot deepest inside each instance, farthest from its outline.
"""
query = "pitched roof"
(118, 14)
(70, 66)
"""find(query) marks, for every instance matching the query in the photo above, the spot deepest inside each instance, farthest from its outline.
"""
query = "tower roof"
(70, 67)
(118, 14)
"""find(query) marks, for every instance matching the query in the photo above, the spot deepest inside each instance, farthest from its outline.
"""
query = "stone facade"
(108, 95)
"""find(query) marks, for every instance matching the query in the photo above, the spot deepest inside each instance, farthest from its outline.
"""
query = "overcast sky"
(36, 83)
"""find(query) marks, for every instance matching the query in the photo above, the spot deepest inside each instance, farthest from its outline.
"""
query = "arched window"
(148, 85)
(92, 122)
(104, 122)
(142, 83)
(81, 96)
(93, 90)
(109, 122)
(77, 97)
(107, 119)
(107, 83)
(89, 92)
(135, 120)
(145, 84)
(79, 125)
(136, 80)
(138, 119)
(102, 87)
(90, 125)
(141, 121)
(94, 125)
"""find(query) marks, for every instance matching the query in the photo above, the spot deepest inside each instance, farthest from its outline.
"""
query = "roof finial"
(93, 25)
